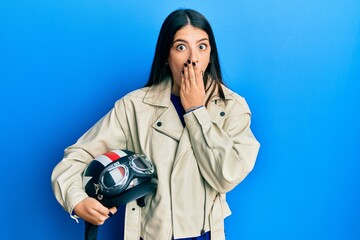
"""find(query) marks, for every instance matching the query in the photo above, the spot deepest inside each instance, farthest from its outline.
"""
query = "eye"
(202, 46)
(181, 47)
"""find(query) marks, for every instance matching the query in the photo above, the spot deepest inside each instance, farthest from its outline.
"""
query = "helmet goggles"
(118, 177)
(123, 174)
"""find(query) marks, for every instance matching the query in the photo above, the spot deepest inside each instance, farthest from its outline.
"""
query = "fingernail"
(194, 64)
(188, 61)
(185, 64)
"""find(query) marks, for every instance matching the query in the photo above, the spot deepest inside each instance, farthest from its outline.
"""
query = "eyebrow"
(182, 40)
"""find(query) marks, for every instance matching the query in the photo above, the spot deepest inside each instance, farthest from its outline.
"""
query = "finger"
(186, 76)
(101, 213)
(112, 211)
(192, 77)
(98, 207)
(198, 75)
(88, 209)
(95, 217)
(182, 86)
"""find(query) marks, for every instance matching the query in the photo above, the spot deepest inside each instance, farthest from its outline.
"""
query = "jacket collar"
(159, 94)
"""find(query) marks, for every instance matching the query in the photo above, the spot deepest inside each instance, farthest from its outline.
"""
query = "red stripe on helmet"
(112, 155)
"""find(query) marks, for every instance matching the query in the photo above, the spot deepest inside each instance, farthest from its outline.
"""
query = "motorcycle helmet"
(118, 177)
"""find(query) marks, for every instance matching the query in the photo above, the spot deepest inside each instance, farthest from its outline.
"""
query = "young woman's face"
(192, 44)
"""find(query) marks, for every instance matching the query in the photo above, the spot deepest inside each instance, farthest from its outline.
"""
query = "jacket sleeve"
(225, 151)
(107, 134)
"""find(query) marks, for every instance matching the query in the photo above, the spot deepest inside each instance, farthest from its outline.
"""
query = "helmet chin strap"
(91, 231)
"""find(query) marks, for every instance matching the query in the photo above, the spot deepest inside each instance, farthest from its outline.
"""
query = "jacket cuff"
(193, 108)
(196, 117)
(74, 196)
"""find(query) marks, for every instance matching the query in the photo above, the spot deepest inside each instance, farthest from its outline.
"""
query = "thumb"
(112, 211)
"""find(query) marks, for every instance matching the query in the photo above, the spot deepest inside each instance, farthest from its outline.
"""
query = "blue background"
(64, 63)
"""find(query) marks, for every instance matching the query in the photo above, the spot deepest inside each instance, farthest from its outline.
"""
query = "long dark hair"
(160, 70)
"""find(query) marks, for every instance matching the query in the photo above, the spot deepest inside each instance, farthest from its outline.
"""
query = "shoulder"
(133, 96)
(137, 94)
(234, 100)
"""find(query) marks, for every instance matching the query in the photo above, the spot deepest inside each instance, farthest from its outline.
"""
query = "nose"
(193, 56)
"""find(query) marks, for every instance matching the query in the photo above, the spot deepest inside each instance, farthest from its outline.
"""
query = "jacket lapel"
(167, 120)
(169, 123)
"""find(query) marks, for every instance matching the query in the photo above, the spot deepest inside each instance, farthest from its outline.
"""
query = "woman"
(194, 129)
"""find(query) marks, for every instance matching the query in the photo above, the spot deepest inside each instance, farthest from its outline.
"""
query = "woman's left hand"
(192, 92)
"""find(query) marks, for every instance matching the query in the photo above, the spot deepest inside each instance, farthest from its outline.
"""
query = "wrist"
(190, 109)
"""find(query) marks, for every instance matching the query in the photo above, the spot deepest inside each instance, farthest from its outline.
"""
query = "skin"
(188, 58)
(92, 211)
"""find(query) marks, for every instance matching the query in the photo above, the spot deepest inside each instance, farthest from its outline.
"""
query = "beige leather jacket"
(196, 165)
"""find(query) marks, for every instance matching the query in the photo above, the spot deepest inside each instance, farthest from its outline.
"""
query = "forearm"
(225, 157)
(66, 178)
(67, 182)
